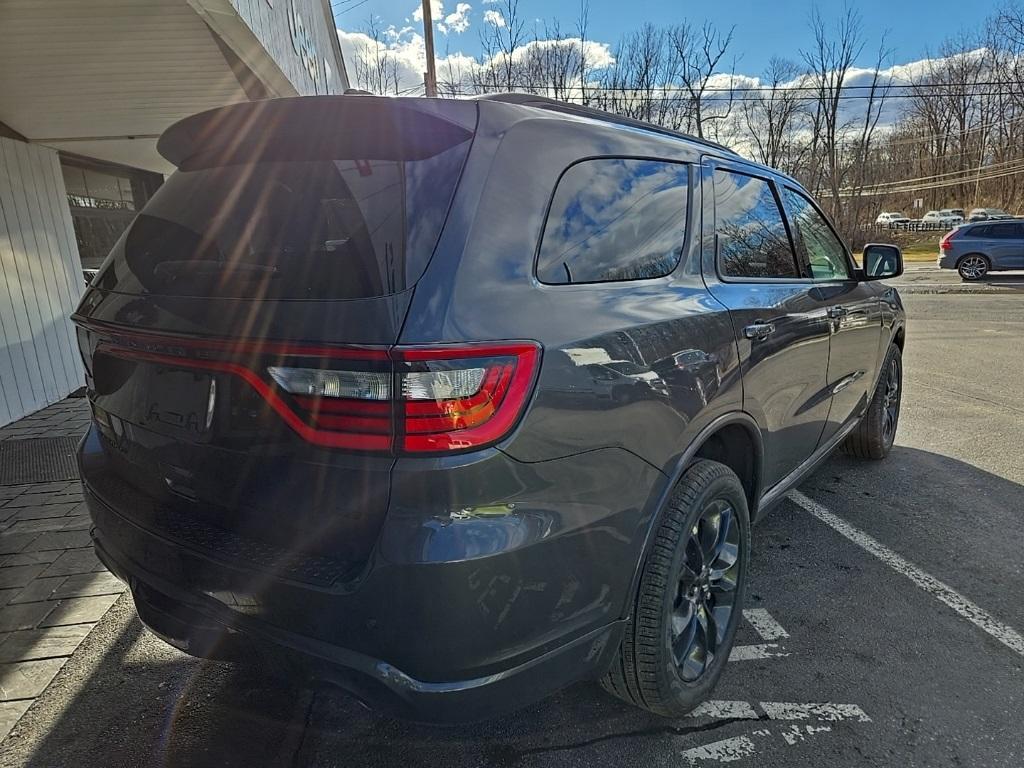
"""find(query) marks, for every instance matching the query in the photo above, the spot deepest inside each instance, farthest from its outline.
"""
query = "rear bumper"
(199, 628)
(454, 617)
(947, 260)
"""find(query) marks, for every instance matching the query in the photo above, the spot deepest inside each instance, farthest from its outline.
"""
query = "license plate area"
(179, 402)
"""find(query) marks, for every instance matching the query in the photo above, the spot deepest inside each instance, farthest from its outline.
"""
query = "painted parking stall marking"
(974, 613)
(739, 747)
(756, 652)
(780, 723)
(764, 624)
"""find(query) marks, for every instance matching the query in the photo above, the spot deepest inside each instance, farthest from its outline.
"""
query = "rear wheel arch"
(735, 429)
(737, 445)
(900, 337)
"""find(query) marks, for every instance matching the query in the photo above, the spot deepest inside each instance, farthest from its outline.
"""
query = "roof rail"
(554, 105)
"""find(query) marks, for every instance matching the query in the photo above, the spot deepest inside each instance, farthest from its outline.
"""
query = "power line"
(964, 85)
(966, 179)
(1016, 162)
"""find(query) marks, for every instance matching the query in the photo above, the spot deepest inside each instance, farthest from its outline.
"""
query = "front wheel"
(688, 604)
(874, 436)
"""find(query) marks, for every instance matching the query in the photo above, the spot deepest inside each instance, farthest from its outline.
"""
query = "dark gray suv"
(455, 403)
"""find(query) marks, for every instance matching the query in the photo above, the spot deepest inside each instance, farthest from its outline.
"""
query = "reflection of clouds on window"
(615, 219)
(752, 239)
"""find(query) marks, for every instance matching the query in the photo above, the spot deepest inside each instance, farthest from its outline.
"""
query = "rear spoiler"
(319, 127)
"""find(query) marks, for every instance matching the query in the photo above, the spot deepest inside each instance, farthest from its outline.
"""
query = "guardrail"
(911, 226)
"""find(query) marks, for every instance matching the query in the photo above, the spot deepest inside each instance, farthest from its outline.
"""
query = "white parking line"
(788, 710)
(724, 751)
(1005, 634)
(756, 652)
(721, 709)
(827, 711)
(764, 624)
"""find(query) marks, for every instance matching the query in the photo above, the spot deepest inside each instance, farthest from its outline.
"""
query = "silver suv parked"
(976, 249)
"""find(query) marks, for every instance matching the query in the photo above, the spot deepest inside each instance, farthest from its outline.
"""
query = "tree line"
(862, 138)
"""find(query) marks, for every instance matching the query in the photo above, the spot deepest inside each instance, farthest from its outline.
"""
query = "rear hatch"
(287, 243)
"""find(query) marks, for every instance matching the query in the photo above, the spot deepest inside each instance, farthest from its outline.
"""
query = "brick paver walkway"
(53, 590)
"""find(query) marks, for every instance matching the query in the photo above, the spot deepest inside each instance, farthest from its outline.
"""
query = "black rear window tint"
(290, 227)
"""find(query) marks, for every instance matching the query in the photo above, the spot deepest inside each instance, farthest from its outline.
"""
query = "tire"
(973, 267)
(874, 436)
(645, 671)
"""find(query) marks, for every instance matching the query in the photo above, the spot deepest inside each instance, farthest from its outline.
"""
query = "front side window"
(824, 251)
(615, 219)
(752, 237)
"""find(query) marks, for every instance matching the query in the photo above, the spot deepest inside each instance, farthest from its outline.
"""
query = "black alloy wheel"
(706, 589)
(688, 603)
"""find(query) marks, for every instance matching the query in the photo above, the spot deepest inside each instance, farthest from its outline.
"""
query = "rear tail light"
(413, 399)
(460, 398)
(945, 243)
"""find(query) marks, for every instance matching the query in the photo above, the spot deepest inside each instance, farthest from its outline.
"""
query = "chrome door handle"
(759, 331)
(837, 311)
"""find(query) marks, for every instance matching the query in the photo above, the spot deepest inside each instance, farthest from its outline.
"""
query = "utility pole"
(430, 76)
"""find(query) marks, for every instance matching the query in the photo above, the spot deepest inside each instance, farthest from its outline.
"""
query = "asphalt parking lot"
(884, 625)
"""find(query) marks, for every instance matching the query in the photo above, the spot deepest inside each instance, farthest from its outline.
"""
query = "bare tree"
(828, 66)
(699, 53)
(376, 68)
(772, 116)
(500, 39)
(640, 82)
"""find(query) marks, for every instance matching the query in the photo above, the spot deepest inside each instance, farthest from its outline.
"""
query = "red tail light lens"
(433, 399)
(411, 400)
(461, 397)
(944, 243)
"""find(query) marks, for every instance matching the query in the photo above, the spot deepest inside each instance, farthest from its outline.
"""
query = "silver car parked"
(976, 249)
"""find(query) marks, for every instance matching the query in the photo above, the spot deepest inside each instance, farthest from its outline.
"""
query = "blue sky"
(763, 29)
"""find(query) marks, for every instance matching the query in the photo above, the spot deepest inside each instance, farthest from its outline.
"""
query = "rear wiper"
(170, 270)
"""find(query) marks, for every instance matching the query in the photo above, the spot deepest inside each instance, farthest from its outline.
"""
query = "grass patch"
(921, 253)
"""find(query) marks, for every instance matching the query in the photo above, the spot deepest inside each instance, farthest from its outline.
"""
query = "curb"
(955, 289)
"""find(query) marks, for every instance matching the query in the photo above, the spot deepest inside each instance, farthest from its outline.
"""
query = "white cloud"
(436, 10)
(494, 18)
(404, 50)
(457, 22)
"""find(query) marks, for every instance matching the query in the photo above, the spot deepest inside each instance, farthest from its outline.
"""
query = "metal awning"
(105, 78)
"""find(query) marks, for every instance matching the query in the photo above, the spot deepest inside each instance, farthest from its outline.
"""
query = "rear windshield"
(295, 228)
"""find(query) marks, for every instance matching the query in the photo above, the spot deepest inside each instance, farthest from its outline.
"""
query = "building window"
(103, 200)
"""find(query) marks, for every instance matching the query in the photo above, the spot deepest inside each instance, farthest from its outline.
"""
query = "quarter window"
(824, 251)
(752, 237)
(615, 219)
(1006, 231)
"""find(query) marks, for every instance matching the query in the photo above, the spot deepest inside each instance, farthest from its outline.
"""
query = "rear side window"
(979, 232)
(751, 233)
(615, 219)
(1006, 231)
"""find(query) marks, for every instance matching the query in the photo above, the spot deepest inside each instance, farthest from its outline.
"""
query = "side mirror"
(882, 261)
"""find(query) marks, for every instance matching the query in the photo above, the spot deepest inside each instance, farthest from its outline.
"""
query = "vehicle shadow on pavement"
(142, 703)
(127, 699)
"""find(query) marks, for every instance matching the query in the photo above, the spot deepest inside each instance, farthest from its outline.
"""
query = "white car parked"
(945, 218)
(891, 219)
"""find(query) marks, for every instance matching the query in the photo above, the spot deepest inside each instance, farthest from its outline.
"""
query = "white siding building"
(86, 88)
